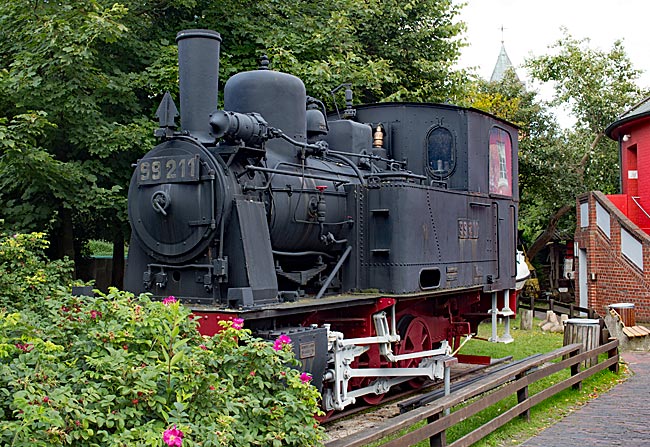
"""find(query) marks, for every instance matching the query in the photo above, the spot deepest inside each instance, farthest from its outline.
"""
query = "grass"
(101, 248)
(515, 432)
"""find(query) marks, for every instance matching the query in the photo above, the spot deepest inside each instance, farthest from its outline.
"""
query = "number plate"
(152, 171)
(468, 229)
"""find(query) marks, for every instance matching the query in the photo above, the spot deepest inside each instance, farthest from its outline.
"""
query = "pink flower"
(281, 341)
(173, 437)
(95, 314)
(204, 347)
(305, 377)
(167, 301)
(238, 323)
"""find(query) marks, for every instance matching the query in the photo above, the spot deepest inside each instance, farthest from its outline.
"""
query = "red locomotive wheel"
(372, 399)
(416, 337)
(369, 359)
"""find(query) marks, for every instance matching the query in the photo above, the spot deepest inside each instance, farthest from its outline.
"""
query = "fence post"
(551, 304)
(439, 439)
(613, 353)
(522, 395)
(571, 310)
(575, 369)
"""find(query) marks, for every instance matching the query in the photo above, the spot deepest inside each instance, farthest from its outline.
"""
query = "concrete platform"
(620, 417)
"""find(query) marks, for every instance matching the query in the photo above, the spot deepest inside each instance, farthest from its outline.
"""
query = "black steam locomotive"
(376, 237)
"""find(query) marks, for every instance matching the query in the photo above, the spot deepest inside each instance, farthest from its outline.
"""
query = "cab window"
(441, 152)
(500, 162)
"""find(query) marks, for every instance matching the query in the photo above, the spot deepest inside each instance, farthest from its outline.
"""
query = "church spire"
(503, 63)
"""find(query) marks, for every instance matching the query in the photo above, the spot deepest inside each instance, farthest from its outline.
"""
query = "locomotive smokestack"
(198, 72)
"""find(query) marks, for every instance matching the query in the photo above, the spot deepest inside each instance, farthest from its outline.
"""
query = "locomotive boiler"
(375, 237)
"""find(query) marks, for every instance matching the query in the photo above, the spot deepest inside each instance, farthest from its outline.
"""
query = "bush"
(121, 370)
(26, 275)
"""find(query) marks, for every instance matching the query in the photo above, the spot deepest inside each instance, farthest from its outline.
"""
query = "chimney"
(198, 72)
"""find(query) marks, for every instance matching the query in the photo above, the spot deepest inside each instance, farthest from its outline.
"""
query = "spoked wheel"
(416, 337)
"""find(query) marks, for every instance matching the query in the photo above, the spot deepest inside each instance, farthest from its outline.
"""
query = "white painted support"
(447, 386)
(506, 312)
(494, 311)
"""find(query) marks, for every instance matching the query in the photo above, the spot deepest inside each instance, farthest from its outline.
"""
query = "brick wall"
(611, 276)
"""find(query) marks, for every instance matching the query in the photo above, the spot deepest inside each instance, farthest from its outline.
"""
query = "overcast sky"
(531, 26)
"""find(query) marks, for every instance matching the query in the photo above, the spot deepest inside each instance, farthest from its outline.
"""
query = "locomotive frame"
(376, 240)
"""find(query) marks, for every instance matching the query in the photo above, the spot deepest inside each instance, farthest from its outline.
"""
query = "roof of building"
(639, 110)
(503, 64)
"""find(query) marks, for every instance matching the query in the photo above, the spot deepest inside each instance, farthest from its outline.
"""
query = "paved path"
(619, 417)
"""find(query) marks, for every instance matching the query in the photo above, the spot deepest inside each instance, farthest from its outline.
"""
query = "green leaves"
(115, 360)
(95, 70)
(595, 85)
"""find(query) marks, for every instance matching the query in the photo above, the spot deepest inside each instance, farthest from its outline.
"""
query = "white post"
(507, 312)
(447, 386)
(494, 311)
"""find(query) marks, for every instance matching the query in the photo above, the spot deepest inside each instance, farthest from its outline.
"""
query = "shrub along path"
(619, 417)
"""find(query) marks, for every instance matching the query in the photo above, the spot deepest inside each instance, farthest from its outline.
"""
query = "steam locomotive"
(375, 237)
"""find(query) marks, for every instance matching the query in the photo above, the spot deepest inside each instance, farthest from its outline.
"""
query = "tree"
(596, 86)
(90, 74)
(79, 71)
(388, 50)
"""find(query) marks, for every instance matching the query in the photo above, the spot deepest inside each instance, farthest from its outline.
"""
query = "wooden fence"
(570, 309)
(492, 389)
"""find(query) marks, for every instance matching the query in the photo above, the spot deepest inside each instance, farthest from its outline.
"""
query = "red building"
(612, 242)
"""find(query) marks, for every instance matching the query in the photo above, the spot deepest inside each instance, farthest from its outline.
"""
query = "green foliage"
(388, 50)
(90, 76)
(596, 86)
(26, 276)
(555, 165)
(120, 370)
(100, 248)
(71, 114)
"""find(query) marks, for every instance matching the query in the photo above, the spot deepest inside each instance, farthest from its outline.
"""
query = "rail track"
(363, 416)
(434, 417)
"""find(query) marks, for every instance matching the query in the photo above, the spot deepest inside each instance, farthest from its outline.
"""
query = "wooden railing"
(492, 389)
(570, 309)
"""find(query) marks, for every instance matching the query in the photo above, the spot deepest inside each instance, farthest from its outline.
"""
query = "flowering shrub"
(121, 370)
(26, 276)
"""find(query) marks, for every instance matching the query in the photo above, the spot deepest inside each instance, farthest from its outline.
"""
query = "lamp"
(626, 137)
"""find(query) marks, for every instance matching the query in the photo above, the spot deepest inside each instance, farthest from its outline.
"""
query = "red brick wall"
(638, 136)
(617, 279)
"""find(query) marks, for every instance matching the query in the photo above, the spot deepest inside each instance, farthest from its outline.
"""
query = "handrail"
(634, 199)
